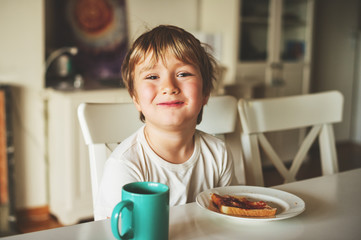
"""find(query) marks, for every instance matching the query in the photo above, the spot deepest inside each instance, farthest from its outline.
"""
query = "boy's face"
(169, 94)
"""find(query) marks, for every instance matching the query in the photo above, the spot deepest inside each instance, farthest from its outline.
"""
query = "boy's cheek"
(194, 90)
(144, 98)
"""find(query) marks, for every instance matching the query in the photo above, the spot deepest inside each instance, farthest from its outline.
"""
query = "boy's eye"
(151, 77)
(184, 74)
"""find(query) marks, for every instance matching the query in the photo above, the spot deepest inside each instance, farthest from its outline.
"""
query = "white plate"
(288, 205)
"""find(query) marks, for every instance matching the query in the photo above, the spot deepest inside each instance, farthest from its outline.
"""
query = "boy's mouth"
(171, 103)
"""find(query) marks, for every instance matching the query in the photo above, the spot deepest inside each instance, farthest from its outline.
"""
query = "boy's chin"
(174, 124)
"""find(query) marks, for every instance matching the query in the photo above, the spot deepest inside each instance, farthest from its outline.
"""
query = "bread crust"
(242, 207)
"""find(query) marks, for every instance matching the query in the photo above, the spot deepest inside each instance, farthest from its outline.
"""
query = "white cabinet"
(265, 42)
(275, 44)
(70, 198)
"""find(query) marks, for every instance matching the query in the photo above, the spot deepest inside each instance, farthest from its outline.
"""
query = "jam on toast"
(242, 207)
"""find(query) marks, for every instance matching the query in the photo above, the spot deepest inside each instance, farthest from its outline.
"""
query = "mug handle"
(115, 220)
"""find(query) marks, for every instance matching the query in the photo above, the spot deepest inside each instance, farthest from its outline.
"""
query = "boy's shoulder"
(209, 138)
(130, 144)
(210, 146)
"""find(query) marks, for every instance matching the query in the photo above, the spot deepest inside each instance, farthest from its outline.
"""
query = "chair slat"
(304, 148)
(97, 157)
(274, 158)
(328, 150)
(252, 160)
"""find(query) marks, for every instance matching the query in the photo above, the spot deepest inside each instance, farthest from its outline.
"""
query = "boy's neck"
(172, 146)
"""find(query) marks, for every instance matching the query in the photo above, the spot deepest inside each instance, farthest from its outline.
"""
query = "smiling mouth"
(171, 104)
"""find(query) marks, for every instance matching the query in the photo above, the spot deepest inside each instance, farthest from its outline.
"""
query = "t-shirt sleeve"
(117, 173)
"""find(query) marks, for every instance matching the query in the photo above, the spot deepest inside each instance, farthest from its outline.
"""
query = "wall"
(335, 54)
(226, 24)
(144, 14)
(21, 65)
(21, 23)
(356, 119)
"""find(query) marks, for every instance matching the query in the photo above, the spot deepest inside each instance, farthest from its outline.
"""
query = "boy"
(169, 77)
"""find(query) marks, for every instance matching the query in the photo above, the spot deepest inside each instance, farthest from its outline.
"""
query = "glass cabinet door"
(291, 32)
(294, 30)
(275, 45)
(254, 27)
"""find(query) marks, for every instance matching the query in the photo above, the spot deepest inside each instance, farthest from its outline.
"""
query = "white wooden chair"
(317, 111)
(105, 125)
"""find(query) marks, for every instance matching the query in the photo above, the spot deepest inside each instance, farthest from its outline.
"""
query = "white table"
(332, 212)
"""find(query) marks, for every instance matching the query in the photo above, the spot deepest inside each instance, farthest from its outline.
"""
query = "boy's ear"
(135, 101)
(205, 100)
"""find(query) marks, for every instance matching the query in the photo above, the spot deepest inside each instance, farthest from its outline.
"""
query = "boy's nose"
(170, 91)
(169, 87)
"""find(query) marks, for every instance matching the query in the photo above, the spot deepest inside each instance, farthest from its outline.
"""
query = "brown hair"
(170, 39)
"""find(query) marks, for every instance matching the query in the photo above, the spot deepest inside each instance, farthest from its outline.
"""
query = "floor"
(349, 157)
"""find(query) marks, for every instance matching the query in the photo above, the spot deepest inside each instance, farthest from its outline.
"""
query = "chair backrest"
(258, 116)
(220, 119)
(104, 126)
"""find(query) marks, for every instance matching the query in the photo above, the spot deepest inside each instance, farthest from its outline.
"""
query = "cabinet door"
(255, 19)
(254, 27)
(288, 69)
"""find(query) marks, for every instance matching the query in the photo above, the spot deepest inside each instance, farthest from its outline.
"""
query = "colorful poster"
(100, 32)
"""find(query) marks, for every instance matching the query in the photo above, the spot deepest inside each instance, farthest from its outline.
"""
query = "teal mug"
(144, 212)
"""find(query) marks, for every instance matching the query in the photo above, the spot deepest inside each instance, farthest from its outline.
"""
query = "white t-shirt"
(134, 161)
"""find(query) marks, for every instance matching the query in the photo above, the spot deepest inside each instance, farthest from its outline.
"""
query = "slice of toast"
(242, 207)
